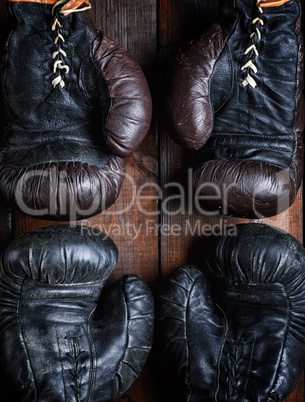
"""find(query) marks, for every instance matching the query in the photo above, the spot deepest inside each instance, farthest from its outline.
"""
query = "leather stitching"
(187, 379)
(77, 368)
(283, 347)
(221, 350)
(23, 340)
(235, 360)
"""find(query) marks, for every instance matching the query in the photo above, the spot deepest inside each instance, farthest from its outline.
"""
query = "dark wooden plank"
(3, 16)
(133, 26)
(182, 20)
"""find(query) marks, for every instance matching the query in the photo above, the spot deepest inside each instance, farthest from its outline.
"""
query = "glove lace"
(59, 55)
(252, 49)
(74, 356)
(234, 372)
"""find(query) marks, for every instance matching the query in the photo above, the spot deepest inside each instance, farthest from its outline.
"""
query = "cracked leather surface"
(250, 139)
(60, 338)
(68, 141)
(234, 330)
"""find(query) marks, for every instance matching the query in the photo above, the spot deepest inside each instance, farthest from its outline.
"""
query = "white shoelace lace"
(256, 35)
(58, 55)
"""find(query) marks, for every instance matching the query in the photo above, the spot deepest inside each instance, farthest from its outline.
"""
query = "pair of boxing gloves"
(77, 106)
(233, 330)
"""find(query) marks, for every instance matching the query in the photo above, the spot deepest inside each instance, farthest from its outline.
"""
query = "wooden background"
(152, 31)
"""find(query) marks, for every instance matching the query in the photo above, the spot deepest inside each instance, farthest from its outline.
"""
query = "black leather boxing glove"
(77, 105)
(235, 94)
(236, 332)
(59, 340)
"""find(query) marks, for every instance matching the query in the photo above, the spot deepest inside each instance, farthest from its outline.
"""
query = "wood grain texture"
(133, 26)
(152, 244)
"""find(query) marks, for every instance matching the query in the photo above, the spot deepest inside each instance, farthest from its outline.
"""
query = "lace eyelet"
(252, 49)
(58, 56)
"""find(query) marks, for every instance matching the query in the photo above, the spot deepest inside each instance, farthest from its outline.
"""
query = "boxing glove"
(77, 105)
(235, 329)
(235, 95)
(60, 340)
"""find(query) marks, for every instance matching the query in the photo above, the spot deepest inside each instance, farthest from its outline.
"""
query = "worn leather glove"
(236, 332)
(77, 106)
(59, 340)
(235, 94)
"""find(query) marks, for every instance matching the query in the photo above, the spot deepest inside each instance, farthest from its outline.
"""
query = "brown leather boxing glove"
(77, 105)
(236, 96)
